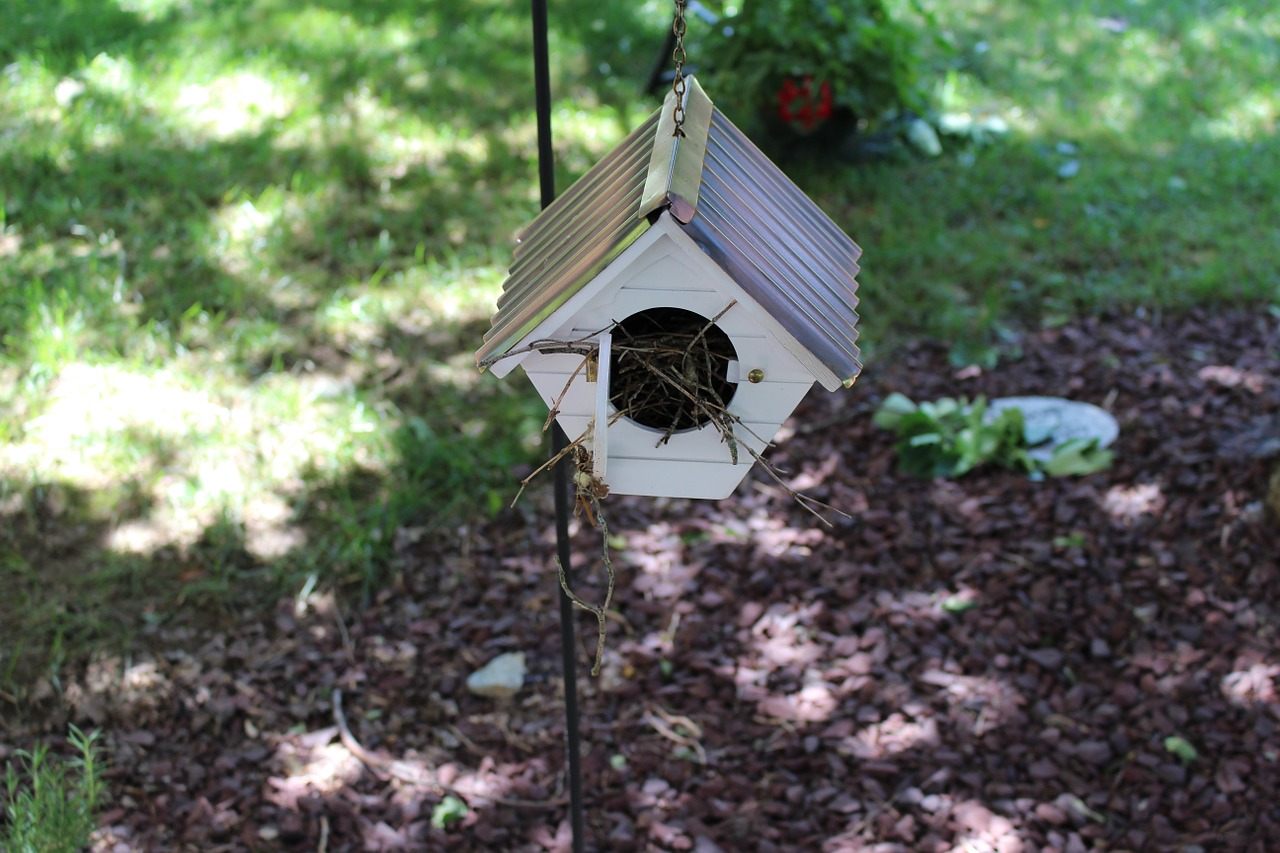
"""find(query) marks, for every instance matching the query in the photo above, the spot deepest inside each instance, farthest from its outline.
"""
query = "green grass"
(50, 804)
(1141, 168)
(247, 248)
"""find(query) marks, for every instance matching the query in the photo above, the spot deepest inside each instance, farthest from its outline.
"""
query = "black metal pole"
(542, 100)
(559, 441)
(568, 647)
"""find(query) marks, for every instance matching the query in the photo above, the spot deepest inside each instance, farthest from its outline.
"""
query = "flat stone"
(1047, 658)
(1057, 420)
(1096, 752)
(500, 678)
(1043, 769)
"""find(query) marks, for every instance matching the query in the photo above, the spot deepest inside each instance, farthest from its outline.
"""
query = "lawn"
(247, 248)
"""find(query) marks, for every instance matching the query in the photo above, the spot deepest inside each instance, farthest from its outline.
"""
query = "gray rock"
(1096, 752)
(1047, 658)
(1052, 421)
(500, 678)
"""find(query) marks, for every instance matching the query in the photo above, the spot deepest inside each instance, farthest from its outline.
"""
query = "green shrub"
(795, 59)
(950, 437)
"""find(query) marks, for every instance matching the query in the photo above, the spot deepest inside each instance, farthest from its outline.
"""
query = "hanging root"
(672, 378)
(599, 611)
(588, 492)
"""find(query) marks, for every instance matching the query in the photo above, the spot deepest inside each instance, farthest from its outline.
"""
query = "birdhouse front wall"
(696, 462)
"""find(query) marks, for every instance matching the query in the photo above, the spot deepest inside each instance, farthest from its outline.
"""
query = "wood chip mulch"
(987, 664)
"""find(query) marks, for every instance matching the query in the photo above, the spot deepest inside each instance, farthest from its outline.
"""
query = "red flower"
(798, 104)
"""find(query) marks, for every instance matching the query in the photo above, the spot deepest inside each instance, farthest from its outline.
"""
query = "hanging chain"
(677, 85)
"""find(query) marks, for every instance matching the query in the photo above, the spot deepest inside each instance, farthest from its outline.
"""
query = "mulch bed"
(982, 664)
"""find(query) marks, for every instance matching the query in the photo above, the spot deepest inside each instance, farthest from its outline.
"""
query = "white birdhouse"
(690, 256)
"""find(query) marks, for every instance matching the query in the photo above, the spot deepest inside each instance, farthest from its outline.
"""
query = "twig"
(555, 407)
(377, 764)
(323, 846)
(347, 646)
(880, 807)
(548, 346)
(665, 724)
(466, 741)
(550, 463)
(599, 611)
(800, 498)
(710, 323)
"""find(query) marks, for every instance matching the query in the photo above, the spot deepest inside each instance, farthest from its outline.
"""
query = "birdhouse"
(674, 306)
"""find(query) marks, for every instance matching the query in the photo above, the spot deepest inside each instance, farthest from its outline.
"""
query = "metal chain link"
(677, 85)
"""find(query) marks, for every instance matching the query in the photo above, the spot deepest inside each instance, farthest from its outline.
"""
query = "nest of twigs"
(669, 371)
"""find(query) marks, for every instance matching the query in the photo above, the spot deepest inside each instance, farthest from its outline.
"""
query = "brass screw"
(756, 376)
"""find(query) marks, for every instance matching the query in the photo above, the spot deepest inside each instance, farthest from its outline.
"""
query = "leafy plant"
(797, 59)
(1076, 456)
(48, 809)
(447, 811)
(956, 604)
(1181, 748)
(950, 437)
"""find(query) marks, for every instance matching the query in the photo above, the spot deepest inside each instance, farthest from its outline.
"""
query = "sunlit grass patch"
(239, 103)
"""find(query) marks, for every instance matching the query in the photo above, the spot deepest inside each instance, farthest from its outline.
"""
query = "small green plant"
(49, 808)
(1181, 748)
(447, 811)
(796, 60)
(950, 437)
(956, 604)
(1074, 540)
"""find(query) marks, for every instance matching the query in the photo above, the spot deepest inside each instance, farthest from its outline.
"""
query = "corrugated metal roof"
(572, 241)
(757, 225)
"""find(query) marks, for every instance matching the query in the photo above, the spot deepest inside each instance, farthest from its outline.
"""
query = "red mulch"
(775, 685)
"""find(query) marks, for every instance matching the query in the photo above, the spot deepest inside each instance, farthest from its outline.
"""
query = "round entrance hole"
(669, 369)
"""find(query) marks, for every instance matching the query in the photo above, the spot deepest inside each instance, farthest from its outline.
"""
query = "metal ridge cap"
(675, 166)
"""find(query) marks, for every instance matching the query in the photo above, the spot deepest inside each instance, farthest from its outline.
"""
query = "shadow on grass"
(88, 569)
(64, 35)
(460, 452)
(143, 215)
